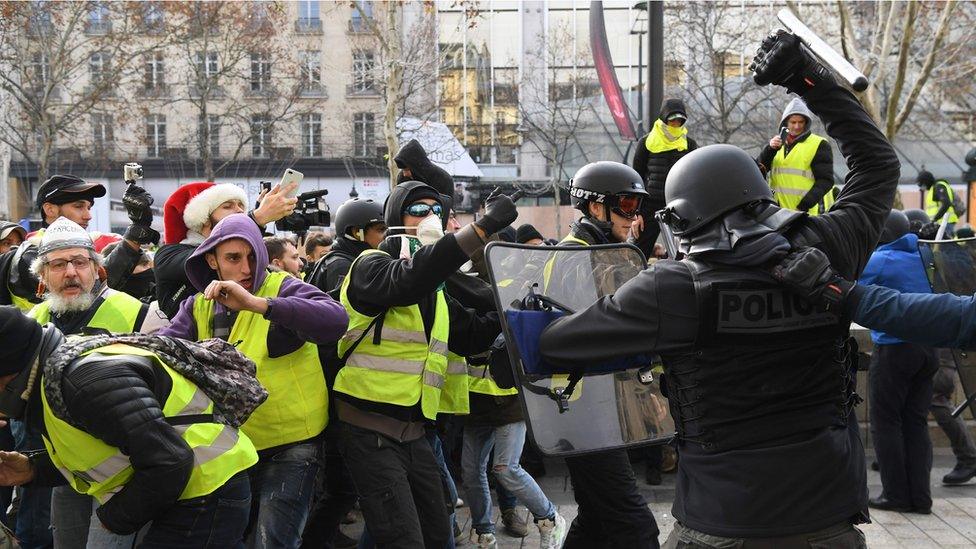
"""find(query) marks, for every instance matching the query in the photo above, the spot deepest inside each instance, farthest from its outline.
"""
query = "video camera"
(311, 211)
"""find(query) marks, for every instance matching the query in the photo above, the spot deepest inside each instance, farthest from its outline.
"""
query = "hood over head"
(672, 106)
(233, 226)
(905, 243)
(401, 195)
(413, 156)
(797, 106)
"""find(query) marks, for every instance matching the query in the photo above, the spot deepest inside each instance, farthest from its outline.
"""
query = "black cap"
(925, 178)
(62, 189)
(21, 336)
(526, 233)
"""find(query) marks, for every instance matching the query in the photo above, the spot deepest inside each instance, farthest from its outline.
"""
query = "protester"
(11, 235)
(189, 215)
(664, 144)
(283, 255)
(939, 200)
(527, 234)
(359, 226)
(110, 413)
(275, 320)
(316, 246)
(801, 166)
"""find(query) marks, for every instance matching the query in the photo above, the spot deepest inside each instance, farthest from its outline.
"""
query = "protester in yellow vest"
(118, 436)
(276, 320)
(76, 300)
(801, 166)
(401, 328)
(939, 200)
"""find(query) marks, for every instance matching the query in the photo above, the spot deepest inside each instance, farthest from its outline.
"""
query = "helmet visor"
(627, 205)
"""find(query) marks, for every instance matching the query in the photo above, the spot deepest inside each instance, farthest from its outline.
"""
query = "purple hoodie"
(305, 312)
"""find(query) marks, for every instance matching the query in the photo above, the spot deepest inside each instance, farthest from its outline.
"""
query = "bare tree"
(242, 77)
(63, 62)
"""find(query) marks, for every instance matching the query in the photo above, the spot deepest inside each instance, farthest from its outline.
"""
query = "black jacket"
(657, 312)
(331, 269)
(822, 167)
(119, 265)
(172, 285)
(118, 399)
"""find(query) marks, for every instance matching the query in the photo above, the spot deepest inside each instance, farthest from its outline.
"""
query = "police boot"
(960, 474)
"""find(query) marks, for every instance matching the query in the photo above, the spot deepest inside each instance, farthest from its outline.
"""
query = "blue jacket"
(896, 265)
(936, 320)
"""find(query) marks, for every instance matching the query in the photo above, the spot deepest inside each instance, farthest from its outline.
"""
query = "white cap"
(64, 233)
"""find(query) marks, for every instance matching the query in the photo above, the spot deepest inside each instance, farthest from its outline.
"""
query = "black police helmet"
(916, 214)
(896, 226)
(709, 182)
(597, 181)
(357, 213)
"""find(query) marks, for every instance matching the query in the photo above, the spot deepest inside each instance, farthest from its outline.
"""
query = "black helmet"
(925, 179)
(357, 213)
(601, 181)
(916, 214)
(895, 227)
(708, 182)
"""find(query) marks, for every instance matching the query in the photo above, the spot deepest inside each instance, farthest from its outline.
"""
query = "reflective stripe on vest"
(932, 206)
(404, 367)
(97, 469)
(791, 176)
(297, 405)
(454, 393)
(117, 313)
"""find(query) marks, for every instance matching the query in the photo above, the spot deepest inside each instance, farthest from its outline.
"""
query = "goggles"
(421, 209)
(626, 205)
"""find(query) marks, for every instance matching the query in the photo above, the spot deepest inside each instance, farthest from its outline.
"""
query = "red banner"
(608, 76)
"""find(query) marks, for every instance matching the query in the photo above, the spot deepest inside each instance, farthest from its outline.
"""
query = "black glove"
(782, 60)
(500, 212)
(142, 234)
(137, 202)
(808, 273)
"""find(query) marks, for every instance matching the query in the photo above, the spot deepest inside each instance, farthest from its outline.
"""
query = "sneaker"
(514, 525)
(486, 541)
(960, 474)
(552, 532)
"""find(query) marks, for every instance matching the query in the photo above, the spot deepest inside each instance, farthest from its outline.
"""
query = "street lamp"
(639, 28)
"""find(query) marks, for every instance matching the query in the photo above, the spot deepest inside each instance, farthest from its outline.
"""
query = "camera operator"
(189, 216)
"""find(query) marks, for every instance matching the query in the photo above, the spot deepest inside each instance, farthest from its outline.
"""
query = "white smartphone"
(292, 176)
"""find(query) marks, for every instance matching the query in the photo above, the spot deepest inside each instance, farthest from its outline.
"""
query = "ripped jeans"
(508, 441)
(281, 496)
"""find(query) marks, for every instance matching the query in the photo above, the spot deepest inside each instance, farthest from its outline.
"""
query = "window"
(260, 72)
(364, 134)
(154, 71)
(209, 135)
(308, 12)
(311, 70)
(41, 69)
(152, 16)
(155, 135)
(98, 68)
(312, 135)
(98, 21)
(363, 65)
(102, 133)
(207, 66)
(358, 23)
(260, 136)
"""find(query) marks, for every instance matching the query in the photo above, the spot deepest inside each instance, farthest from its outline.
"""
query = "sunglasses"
(420, 209)
(627, 205)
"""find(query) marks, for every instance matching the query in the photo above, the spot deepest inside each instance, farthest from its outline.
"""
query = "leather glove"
(783, 60)
(137, 202)
(808, 273)
(500, 212)
(142, 234)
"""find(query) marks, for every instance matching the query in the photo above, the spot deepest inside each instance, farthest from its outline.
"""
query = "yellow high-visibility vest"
(117, 313)
(791, 176)
(932, 205)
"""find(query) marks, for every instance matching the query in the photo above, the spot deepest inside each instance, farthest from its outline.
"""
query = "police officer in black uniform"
(760, 383)
(611, 512)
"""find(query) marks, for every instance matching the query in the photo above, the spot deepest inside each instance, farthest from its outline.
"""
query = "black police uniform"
(759, 383)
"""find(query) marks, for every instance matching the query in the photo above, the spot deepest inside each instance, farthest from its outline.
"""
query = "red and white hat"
(189, 208)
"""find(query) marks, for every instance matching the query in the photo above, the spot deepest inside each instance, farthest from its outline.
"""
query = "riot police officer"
(760, 384)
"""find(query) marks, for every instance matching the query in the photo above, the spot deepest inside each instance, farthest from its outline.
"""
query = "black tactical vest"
(767, 365)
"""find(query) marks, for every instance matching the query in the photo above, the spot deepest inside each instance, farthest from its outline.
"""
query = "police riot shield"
(951, 267)
(612, 404)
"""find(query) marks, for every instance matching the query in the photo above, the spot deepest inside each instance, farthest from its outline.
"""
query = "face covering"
(429, 230)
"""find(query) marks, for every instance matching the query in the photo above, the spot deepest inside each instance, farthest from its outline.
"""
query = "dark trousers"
(336, 498)
(611, 511)
(216, 520)
(401, 492)
(944, 385)
(900, 389)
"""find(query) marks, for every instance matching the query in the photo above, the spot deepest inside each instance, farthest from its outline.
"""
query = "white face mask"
(428, 231)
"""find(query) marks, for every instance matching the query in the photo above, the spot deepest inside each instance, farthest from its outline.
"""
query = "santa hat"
(189, 208)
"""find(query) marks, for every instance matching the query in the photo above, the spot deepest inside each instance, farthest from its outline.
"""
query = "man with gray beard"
(77, 300)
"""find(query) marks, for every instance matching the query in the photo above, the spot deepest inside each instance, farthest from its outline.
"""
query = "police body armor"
(768, 364)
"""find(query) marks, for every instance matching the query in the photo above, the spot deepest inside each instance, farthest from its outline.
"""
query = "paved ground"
(952, 522)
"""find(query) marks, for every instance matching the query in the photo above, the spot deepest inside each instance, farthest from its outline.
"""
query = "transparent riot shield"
(951, 266)
(614, 404)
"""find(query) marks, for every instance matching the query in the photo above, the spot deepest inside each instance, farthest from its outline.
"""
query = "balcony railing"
(362, 90)
(308, 25)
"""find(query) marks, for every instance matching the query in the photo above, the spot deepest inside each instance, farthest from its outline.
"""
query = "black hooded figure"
(416, 166)
(656, 152)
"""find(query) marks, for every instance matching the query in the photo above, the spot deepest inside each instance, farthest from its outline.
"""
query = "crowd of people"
(235, 388)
